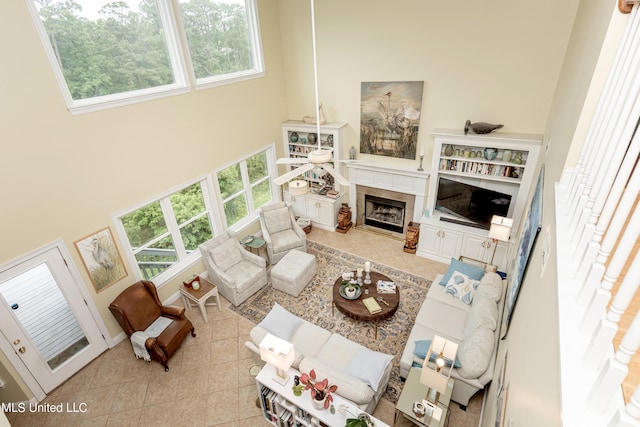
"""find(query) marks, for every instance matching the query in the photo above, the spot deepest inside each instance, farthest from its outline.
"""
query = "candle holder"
(420, 167)
(367, 278)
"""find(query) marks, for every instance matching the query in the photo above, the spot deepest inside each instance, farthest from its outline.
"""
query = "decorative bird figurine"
(480, 127)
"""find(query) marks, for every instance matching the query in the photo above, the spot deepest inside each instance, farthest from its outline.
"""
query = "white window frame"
(184, 260)
(252, 214)
(182, 67)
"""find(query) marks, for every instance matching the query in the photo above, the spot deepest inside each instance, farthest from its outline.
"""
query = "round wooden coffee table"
(356, 308)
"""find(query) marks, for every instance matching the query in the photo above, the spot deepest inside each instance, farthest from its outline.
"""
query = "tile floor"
(208, 383)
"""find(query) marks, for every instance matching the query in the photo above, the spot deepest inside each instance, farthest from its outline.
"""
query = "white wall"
(483, 60)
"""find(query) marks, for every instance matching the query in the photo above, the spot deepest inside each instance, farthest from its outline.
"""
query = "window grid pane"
(187, 203)
(144, 225)
(257, 167)
(156, 258)
(107, 54)
(218, 36)
(230, 181)
(108, 49)
(195, 233)
(235, 209)
(261, 194)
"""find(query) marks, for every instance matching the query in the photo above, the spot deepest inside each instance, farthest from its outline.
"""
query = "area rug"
(315, 302)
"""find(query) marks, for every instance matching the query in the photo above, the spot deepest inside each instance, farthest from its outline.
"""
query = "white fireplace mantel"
(386, 177)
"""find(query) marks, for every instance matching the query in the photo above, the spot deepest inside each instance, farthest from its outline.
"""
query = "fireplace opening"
(384, 213)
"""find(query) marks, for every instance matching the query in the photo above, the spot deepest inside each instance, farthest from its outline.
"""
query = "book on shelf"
(372, 305)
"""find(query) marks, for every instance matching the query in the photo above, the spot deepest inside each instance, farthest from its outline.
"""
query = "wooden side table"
(207, 290)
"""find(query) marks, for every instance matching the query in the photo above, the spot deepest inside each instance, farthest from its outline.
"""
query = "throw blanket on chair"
(139, 338)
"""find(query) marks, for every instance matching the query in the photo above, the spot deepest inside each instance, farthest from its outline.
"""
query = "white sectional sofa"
(475, 327)
(360, 374)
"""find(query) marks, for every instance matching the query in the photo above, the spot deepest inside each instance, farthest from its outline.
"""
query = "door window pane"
(50, 323)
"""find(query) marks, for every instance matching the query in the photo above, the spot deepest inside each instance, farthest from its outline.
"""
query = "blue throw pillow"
(472, 271)
(421, 349)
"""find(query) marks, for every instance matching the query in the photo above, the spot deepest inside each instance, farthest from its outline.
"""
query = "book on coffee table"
(372, 305)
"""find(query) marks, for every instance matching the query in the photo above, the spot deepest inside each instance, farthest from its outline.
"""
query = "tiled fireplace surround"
(394, 183)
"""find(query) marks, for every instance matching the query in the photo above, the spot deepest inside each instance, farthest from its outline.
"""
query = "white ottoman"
(294, 272)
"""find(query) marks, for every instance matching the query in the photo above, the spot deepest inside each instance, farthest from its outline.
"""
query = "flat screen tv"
(472, 205)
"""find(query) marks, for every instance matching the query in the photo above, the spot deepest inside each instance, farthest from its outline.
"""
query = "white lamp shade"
(298, 187)
(430, 376)
(500, 228)
(277, 352)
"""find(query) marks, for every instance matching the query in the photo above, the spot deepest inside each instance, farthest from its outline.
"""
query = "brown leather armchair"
(138, 306)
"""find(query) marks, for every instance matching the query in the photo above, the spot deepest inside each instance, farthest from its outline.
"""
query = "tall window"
(107, 53)
(245, 186)
(168, 231)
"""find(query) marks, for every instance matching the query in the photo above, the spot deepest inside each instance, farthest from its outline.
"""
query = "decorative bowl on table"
(247, 239)
(348, 295)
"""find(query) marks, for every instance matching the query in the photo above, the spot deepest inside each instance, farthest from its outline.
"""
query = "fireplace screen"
(384, 213)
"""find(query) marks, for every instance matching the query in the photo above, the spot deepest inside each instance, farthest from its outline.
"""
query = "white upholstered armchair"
(237, 272)
(281, 231)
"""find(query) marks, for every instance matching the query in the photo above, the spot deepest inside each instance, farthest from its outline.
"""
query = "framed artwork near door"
(101, 258)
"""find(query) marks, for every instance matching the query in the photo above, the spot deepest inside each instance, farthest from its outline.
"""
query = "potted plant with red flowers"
(320, 390)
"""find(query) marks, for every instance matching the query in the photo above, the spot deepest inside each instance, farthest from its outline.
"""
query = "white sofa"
(475, 327)
(360, 374)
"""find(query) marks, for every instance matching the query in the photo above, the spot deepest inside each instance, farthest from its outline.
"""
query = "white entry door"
(45, 319)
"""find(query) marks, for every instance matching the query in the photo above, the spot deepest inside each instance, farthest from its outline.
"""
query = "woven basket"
(305, 223)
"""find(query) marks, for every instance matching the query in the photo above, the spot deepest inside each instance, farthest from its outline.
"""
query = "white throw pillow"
(368, 366)
(277, 220)
(461, 286)
(490, 288)
(475, 352)
(484, 312)
(280, 322)
(226, 255)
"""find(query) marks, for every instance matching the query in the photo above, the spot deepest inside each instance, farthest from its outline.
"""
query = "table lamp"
(298, 187)
(499, 230)
(437, 367)
(279, 354)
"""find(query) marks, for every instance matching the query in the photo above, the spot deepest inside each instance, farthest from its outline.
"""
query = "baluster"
(607, 114)
(612, 149)
(608, 206)
(614, 370)
(613, 232)
(600, 299)
(604, 334)
(630, 416)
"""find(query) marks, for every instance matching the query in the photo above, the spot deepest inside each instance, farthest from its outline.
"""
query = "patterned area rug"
(315, 301)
